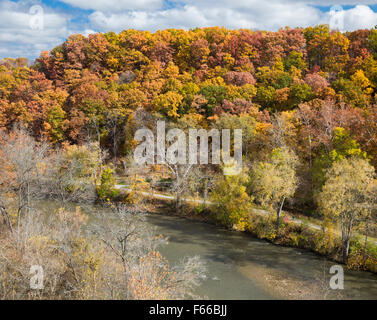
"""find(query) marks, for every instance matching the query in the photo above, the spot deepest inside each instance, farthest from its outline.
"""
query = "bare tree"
(145, 273)
(20, 170)
(113, 120)
(181, 174)
(121, 232)
(62, 183)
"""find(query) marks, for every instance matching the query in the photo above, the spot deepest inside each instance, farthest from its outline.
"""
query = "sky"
(28, 27)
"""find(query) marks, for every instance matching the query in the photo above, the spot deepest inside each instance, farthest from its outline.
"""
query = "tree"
(239, 78)
(273, 181)
(354, 91)
(144, 273)
(21, 163)
(343, 146)
(372, 41)
(245, 122)
(231, 203)
(73, 173)
(106, 189)
(300, 92)
(181, 174)
(168, 104)
(316, 82)
(295, 59)
(214, 95)
(347, 196)
(305, 114)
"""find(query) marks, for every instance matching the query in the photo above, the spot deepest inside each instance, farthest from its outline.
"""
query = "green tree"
(83, 163)
(295, 59)
(372, 41)
(275, 180)
(215, 94)
(346, 197)
(231, 201)
(343, 146)
(106, 189)
(55, 119)
(353, 91)
(168, 103)
(300, 92)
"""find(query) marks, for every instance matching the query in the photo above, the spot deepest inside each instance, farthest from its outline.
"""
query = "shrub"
(231, 202)
(106, 189)
(363, 256)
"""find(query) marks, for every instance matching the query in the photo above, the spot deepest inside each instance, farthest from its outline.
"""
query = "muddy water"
(241, 267)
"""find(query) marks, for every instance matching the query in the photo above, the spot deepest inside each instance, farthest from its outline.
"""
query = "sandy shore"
(286, 287)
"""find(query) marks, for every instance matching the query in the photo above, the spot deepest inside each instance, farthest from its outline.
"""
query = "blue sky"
(28, 27)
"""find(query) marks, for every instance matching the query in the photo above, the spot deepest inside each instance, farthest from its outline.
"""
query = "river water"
(242, 267)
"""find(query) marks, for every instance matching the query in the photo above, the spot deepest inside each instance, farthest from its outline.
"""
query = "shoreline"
(165, 209)
(278, 283)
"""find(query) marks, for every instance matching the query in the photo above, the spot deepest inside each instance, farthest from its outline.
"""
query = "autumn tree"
(347, 196)
(73, 174)
(230, 201)
(22, 160)
(273, 181)
(342, 146)
(144, 273)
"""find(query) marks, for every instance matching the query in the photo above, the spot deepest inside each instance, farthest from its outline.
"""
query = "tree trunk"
(205, 192)
(346, 237)
(178, 203)
(115, 145)
(345, 250)
(365, 245)
(19, 212)
(310, 151)
(6, 218)
(126, 279)
(28, 198)
(98, 135)
(278, 215)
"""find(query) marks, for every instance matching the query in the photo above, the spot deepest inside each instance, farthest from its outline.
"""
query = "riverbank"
(240, 266)
(286, 287)
(323, 241)
(243, 267)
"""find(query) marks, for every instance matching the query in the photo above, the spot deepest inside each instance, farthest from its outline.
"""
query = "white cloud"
(115, 5)
(360, 17)
(18, 39)
(252, 4)
(253, 14)
(272, 15)
(177, 18)
(87, 32)
(328, 3)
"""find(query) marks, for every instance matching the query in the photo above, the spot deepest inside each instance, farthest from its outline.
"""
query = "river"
(242, 267)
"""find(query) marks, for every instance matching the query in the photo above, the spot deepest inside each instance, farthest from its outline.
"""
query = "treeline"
(314, 78)
(305, 99)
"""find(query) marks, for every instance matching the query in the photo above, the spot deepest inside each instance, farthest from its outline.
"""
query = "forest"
(305, 99)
